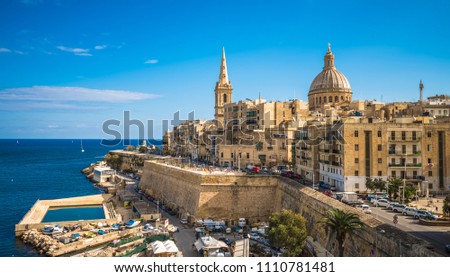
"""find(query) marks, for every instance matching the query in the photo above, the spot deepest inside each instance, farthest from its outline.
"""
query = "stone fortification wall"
(255, 197)
(376, 238)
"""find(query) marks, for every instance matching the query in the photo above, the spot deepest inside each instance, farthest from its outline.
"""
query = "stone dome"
(330, 87)
(330, 80)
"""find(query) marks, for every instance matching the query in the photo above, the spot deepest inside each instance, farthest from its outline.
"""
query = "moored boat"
(132, 223)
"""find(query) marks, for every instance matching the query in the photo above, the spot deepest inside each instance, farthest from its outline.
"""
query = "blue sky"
(67, 66)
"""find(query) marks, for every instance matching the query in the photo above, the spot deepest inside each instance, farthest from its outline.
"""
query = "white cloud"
(5, 50)
(76, 51)
(152, 61)
(100, 47)
(72, 94)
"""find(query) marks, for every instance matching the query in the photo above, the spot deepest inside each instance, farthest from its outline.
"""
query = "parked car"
(183, 221)
(409, 211)
(315, 186)
(391, 204)
(447, 248)
(365, 208)
(381, 203)
(425, 215)
(398, 208)
(226, 240)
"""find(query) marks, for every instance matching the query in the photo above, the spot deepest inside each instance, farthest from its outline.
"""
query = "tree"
(130, 148)
(377, 184)
(143, 149)
(287, 229)
(341, 224)
(394, 187)
(446, 206)
(113, 160)
(410, 192)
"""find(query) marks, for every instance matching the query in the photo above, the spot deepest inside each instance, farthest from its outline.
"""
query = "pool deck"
(33, 218)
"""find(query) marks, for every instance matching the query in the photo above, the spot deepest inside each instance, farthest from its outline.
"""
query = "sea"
(32, 169)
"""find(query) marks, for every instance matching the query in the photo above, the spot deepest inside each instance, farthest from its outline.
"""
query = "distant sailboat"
(17, 141)
(82, 150)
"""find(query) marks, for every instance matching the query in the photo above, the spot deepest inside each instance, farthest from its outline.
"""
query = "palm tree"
(341, 224)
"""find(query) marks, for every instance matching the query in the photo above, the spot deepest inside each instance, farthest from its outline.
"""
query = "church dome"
(330, 79)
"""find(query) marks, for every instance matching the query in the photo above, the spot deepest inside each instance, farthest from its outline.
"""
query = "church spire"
(329, 59)
(223, 76)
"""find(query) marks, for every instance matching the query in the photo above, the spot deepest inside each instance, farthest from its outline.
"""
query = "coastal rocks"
(43, 243)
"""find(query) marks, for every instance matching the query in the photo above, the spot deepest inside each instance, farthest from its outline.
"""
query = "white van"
(242, 222)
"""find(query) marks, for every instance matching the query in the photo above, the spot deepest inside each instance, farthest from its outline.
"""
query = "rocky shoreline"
(44, 244)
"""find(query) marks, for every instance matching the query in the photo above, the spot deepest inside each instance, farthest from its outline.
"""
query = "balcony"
(336, 164)
(401, 153)
(325, 162)
(407, 165)
(405, 139)
(305, 158)
(336, 151)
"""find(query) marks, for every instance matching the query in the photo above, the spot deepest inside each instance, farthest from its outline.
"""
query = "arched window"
(224, 98)
(330, 99)
(320, 100)
(324, 99)
(336, 99)
(317, 101)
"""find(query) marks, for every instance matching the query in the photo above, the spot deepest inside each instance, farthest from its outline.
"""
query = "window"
(248, 155)
(240, 155)
(394, 173)
(330, 99)
(415, 174)
(393, 135)
(393, 160)
(379, 147)
(429, 134)
(403, 135)
(356, 173)
(224, 98)
(336, 99)
(429, 147)
(414, 135)
(356, 147)
(404, 149)
(221, 154)
(356, 185)
(414, 149)
(380, 173)
(356, 160)
(379, 134)
(380, 161)
(430, 186)
(429, 160)
(356, 134)
(232, 156)
(415, 161)
(430, 173)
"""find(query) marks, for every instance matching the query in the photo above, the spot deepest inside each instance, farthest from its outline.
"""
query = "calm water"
(72, 213)
(41, 169)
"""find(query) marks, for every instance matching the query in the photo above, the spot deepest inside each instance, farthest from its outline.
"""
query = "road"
(435, 235)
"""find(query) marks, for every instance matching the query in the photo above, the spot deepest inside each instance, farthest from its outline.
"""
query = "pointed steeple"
(329, 59)
(223, 76)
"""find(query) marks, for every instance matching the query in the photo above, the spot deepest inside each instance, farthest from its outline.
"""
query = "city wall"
(255, 197)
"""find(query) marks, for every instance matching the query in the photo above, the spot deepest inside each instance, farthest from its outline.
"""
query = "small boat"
(132, 223)
(75, 237)
(53, 230)
(115, 226)
(82, 149)
(101, 232)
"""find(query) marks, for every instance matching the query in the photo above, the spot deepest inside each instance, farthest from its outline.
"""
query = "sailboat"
(82, 150)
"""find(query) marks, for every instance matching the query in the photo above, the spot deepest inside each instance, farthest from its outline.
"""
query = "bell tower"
(223, 91)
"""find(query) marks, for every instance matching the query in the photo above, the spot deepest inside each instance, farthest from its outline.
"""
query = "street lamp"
(404, 181)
